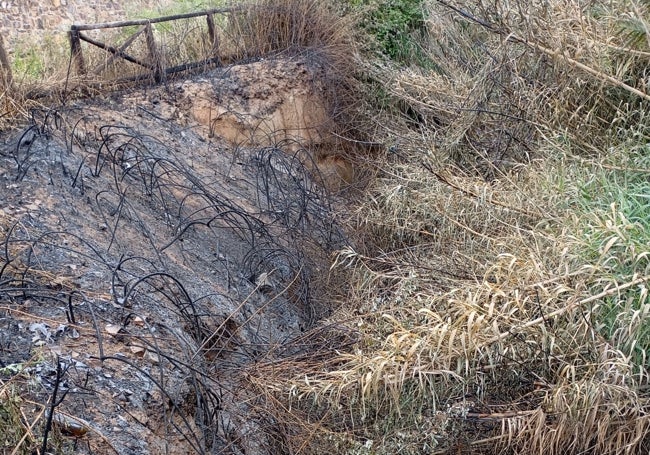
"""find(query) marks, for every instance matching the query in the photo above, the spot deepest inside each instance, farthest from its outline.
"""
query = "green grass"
(12, 430)
(28, 61)
(613, 206)
(40, 60)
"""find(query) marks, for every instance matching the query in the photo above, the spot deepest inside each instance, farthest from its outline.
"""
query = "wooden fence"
(153, 64)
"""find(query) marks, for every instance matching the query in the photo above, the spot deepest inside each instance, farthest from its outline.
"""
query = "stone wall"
(31, 20)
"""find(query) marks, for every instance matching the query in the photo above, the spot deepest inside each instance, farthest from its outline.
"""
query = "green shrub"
(395, 25)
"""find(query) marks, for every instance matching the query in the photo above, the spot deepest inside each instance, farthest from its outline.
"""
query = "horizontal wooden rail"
(156, 20)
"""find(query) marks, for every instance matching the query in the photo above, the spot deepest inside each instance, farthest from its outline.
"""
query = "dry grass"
(266, 27)
(479, 287)
(243, 32)
(501, 74)
(487, 323)
(314, 30)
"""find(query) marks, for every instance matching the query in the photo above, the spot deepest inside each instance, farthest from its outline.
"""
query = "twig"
(568, 307)
(48, 424)
(509, 36)
(500, 415)
(587, 69)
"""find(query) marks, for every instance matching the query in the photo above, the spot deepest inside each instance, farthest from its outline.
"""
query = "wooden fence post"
(212, 35)
(6, 76)
(75, 49)
(159, 73)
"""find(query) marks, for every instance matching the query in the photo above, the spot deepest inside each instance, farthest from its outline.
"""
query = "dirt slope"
(157, 250)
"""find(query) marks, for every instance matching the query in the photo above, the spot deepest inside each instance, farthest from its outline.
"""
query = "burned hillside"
(151, 261)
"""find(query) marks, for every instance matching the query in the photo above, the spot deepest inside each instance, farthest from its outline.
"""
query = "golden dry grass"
(478, 307)
(487, 320)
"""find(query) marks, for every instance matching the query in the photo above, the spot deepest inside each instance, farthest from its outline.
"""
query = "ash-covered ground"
(145, 265)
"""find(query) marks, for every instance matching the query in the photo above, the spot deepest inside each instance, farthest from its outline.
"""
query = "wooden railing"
(154, 64)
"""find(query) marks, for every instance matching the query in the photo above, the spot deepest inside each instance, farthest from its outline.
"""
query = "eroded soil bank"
(152, 255)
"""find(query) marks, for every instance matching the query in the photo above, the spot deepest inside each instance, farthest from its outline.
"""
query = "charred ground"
(153, 263)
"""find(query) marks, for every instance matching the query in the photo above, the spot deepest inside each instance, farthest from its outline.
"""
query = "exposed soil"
(159, 242)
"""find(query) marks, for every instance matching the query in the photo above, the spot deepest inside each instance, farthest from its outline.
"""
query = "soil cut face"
(157, 243)
(278, 103)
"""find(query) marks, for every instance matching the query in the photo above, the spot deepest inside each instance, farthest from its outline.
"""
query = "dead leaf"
(113, 329)
(72, 426)
(40, 330)
(137, 350)
(153, 358)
